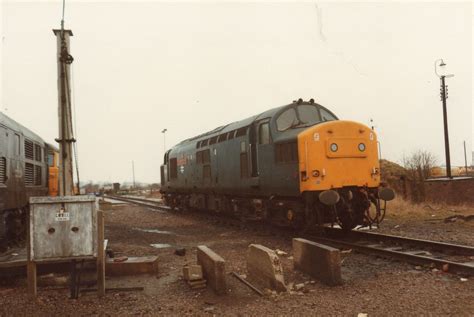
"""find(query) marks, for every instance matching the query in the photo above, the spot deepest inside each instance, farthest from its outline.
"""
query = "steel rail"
(390, 252)
(139, 202)
(458, 249)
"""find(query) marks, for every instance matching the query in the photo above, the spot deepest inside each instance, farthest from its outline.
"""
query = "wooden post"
(100, 254)
(30, 265)
(31, 273)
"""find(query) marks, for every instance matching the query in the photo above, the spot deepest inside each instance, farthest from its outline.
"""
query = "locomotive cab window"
(308, 114)
(286, 119)
(326, 115)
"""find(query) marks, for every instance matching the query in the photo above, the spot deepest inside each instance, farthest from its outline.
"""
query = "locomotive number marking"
(316, 137)
(62, 216)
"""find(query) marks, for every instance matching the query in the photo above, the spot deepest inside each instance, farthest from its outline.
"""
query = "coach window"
(213, 140)
(204, 142)
(286, 119)
(264, 133)
(230, 135)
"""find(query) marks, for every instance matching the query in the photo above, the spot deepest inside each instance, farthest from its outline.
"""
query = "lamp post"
(164, 139)
(444, 96)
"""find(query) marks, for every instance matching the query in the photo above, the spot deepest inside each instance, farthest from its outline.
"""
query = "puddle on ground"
(161, 245)
(153, 231)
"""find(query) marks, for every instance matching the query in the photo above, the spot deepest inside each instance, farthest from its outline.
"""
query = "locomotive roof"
(15, 126)
(235, 125)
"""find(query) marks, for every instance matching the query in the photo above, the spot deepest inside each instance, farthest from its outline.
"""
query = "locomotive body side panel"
(20, 177)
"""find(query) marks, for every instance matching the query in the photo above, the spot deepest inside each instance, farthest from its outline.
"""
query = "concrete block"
(317, 260)
(264, 268)
(192, 272)
(132, 266)
(213, 268)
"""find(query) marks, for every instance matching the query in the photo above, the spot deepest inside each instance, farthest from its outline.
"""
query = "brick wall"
(454, 192)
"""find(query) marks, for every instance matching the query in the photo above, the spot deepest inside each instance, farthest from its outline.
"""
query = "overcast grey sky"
(192, 66)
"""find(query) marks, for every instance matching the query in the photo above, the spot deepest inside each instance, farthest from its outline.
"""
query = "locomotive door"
(253, 150)
(259, 146)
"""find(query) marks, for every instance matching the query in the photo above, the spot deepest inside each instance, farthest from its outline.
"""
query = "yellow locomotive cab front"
(338, 154)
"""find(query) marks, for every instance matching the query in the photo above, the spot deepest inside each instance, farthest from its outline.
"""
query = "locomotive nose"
(337, 154)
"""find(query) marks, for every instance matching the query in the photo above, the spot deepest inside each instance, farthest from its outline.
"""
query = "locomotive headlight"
(361, 147)
(334, 147)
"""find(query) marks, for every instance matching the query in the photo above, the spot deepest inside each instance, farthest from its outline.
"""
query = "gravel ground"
(374, 286)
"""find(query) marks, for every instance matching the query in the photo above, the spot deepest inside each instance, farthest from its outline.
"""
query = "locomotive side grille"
(206, 171)
(3, 170)
(173, 168)
(29, 174)
(29, 149)
(37, 153)
(203, 157)
(286, 152)
(38, 175)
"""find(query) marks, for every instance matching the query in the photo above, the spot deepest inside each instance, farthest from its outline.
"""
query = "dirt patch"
(371, 285)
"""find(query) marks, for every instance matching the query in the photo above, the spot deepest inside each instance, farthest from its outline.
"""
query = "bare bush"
(419, 164)
(418, 168)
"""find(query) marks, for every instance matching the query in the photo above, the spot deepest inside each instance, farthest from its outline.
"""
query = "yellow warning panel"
(336, 154)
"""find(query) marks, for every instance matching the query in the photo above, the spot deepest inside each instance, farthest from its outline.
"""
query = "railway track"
(454, 258)
(140, 202)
